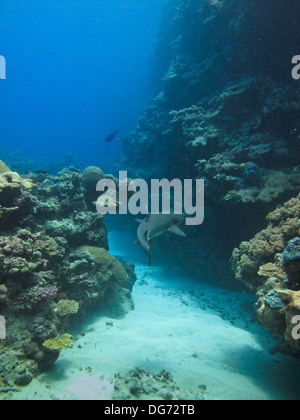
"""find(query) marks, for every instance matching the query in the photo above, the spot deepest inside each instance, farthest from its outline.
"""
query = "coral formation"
(293, 299)
(291, 260)
(54, 266)
(67, 307)
(249, 256)
(276, 283)
(59, 343)
(11, 185)
(138, 383)
(90, 177)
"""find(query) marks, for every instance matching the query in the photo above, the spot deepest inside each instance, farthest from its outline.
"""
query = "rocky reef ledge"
(55, 267)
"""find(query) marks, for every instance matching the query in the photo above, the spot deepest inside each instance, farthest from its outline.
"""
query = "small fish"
(111, 136)
(154, 225)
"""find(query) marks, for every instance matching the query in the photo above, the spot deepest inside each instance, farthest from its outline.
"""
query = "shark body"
(154, 225)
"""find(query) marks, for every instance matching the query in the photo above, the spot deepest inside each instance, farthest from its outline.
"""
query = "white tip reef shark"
(154, 225)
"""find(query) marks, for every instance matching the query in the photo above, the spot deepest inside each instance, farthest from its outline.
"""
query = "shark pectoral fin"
(175, 229)
(136, 242)
(150, 252)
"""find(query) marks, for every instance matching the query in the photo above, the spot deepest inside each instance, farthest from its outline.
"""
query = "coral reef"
(249, 256)
(277, 281)
(54, 267)
(291, 260)
(90, 177)
(226, 111)
(24, 164)
(59, 343)
(67, 307)
(138, 383)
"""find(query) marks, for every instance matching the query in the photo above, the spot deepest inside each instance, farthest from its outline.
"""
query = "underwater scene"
(149, 202)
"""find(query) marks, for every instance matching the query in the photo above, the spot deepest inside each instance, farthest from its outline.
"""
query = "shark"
(154, 225)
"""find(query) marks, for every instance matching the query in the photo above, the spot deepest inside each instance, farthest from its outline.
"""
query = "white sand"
(169, 330)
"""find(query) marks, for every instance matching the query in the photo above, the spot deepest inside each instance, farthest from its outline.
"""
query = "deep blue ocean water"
(76, 71)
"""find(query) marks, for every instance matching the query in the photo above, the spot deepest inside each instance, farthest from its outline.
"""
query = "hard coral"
(41, 276)
(249, 256)
(292, 297)
(67, 307)
(59, 343)
(291, 260)
(272, 270)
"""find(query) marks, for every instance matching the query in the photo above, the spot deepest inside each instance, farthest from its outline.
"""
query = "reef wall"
(228, 112)
(54, 267)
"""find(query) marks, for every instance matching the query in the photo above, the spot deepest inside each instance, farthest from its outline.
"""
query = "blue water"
(76, 71)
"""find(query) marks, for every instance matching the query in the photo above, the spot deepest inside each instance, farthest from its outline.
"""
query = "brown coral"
(292, 297)
(260, 250)
(271, 270)
(13, 180)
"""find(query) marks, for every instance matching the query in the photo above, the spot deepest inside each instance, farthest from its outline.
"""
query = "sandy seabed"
(195, 331)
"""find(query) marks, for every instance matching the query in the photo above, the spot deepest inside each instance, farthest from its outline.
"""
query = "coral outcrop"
(269, 264)
(54, 267)
(250, 256)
